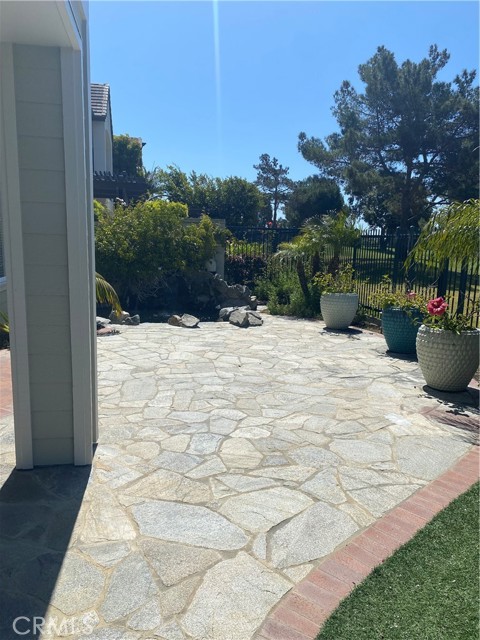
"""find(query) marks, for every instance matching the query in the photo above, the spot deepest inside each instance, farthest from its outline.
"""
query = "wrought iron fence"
(248, 257)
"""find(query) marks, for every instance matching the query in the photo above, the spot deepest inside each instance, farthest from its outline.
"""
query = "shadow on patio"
(38, 511)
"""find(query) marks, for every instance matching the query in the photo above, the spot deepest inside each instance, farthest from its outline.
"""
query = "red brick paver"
(6, 404)
(302, 612)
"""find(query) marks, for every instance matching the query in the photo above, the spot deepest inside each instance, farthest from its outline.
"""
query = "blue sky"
(213, 99)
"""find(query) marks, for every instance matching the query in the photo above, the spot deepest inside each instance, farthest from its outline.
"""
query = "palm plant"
(106, 294)
(335, 231)
(309, 244)
(451, 233)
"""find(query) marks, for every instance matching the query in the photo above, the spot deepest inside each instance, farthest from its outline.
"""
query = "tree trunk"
(302, 278)
(316, 263)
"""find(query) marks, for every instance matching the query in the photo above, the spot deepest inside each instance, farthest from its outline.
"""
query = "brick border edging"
(302, 612)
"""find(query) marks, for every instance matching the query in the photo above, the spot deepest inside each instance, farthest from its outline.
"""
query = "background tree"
(127, 155)
(313, 196)
(406, 144)
(234, 199)
(239, 201)
(273, 182)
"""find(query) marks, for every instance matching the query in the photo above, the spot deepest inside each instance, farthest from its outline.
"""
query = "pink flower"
(411, 295)
(437, 307)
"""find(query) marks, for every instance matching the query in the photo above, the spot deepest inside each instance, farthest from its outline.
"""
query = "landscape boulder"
(187, 321)
(245, 317)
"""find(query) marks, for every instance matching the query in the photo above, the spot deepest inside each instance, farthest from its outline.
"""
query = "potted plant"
(447, 343)
(402, 314)
(338, 301)
(447, 348)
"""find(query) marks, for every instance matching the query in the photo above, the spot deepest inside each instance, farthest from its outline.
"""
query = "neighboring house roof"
(100, 100)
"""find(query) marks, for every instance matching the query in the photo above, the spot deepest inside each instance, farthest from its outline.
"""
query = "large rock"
(133, 320)
(225, 313)
(254, 319)
(102, 322)
(188, 321)
(119, 318)
(239, 318)
(202, 294)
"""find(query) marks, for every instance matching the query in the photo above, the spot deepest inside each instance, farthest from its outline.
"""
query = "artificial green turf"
(428, 590)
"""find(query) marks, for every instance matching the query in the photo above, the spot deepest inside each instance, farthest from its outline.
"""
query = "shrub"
(285, 296)
(138, 246)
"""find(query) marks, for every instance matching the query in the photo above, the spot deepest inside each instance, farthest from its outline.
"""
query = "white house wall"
(102, 145)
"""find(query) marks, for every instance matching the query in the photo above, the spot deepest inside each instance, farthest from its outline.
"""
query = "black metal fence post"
(443, 280)
(462, 287)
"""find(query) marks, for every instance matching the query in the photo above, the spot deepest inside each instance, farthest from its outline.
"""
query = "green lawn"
(428, 590)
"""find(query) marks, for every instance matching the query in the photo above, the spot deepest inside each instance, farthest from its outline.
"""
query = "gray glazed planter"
(448, 360)
(338, 309)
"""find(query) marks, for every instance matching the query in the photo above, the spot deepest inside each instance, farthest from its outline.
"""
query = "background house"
(102, 129)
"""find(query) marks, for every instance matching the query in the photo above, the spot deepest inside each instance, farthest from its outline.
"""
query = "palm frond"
(106, 294)
(4, 324)
(452, 233)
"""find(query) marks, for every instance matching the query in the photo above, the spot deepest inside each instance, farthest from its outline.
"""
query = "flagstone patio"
(229, 462)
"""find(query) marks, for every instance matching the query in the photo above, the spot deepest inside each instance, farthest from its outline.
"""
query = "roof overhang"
(54, 23)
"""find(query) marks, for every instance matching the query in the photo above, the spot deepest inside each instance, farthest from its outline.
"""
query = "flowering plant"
(340, 282)
(387, 298)
(439, 317)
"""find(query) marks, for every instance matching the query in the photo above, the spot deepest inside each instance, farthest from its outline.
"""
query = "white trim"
(67, 16)
(90, 220)
(78, 251)
(14, 261)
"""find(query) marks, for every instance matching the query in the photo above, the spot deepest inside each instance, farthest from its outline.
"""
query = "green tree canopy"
(234, 199)
(405, 144)
(127, 155)
(313, 196)
(273, 182)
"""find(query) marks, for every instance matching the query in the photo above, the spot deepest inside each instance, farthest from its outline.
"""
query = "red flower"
(437, 307)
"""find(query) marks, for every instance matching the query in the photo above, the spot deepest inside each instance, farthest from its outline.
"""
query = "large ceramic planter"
(448, 360)
(338, 309)
(400, 329)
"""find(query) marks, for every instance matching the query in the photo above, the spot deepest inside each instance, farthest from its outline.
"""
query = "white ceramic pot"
(338, 309)
(448, 360)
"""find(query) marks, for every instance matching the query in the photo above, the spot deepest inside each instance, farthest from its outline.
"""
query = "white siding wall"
(102, 145)
(38, 97)
(99, 150)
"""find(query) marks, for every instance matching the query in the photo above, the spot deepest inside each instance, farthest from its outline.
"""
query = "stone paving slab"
(230, 463)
